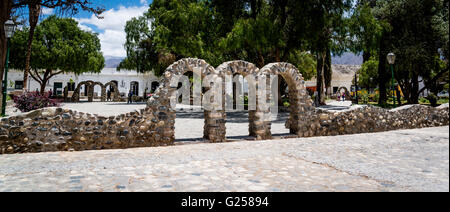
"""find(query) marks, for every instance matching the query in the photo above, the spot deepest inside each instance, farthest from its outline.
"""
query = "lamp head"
(10, 27)
(391, 58)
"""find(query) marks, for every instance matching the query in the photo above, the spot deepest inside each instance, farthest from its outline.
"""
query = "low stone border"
(57, 129)
(368, 119)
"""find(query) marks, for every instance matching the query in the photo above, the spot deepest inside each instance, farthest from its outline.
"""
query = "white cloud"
(84, 27)
(111, 28)
(144, 2)
(47, 11)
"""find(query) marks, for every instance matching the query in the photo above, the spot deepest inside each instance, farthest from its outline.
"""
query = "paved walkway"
(404, 160)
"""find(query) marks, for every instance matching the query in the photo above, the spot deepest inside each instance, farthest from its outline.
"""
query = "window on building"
(335, 89)
(18, 85)
(57, 88)
(134, 86)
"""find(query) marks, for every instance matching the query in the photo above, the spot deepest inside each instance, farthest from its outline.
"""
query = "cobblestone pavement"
(404, 160)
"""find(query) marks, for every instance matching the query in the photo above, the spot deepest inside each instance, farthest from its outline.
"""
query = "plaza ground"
(403, 160)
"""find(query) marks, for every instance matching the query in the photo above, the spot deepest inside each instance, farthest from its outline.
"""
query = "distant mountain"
(347, 58)
(112, 62)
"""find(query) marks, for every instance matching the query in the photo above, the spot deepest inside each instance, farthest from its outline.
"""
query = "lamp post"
(9, 32)
(391, 61)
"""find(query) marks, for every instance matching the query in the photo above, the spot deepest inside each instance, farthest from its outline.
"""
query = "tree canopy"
(416, 31)
(305, 33)
(60, 46)
(216, 31)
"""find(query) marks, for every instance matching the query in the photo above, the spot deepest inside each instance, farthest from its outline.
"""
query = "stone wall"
(57, 129)
(369, 119)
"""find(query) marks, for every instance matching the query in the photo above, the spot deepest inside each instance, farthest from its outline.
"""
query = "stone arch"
(76, 93)
(90, 91)
(214, 127)
(347, 93)
(245, 69)
(300, 101)
(102, 92)
(115, 93)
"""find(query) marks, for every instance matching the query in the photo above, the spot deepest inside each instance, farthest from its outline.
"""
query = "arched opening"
(154, 86)
(134, 87)
(112, 91)
(342, 94)
(214, 115)
(187, 109)
(85, 90)
(112, 88)
(299, 101)
(240, 98)
(281, 98)
(80, 93)
(96, 92)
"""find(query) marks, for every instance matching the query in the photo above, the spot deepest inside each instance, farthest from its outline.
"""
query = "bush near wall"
(34, 100)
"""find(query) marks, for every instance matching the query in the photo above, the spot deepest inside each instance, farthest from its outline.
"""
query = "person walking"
(108, 95)
(130, 94)
(343, 97)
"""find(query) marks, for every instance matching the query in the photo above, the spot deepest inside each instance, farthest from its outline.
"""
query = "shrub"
(34, 100)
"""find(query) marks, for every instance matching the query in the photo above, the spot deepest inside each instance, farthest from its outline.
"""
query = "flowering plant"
(29, 101)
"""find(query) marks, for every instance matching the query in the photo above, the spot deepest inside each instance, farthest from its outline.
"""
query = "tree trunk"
(366, 56)
(34, 11)
(321, 57)
(42, 84)
(414, 89)
(328, 73)
(382, 75)
(5, 13)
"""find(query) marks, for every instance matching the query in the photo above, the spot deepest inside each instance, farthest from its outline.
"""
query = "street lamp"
(391, 61)
(9, 32)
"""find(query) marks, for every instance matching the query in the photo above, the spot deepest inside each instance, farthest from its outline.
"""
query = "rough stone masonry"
(57, 129)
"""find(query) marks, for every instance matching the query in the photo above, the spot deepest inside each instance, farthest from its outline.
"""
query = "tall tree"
(60, 46)
(34, 9)
(70, 7)
(328, 32)
(416, 40)
(6, 8)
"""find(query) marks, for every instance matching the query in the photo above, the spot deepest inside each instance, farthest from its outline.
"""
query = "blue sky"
(111, 28)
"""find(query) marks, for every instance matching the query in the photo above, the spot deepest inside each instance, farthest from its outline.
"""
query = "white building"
(342, 76)
(125, 80)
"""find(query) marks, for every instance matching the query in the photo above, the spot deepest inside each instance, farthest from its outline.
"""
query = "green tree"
(417, 35)
(366, 29)
(179, 29)
(368, 73)
(327, 31)
(60, 46)
(34, 9)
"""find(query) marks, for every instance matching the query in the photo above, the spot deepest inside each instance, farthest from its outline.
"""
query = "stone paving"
(404, 160)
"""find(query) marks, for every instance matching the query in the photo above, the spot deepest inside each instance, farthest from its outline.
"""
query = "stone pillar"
(90, 92)
(103, 98)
